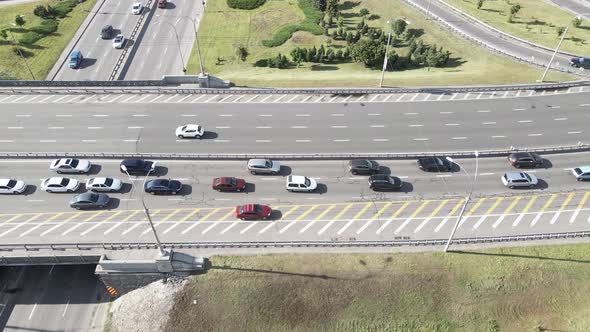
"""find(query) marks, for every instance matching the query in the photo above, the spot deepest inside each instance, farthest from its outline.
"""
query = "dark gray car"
(90, 201)
(363, 166)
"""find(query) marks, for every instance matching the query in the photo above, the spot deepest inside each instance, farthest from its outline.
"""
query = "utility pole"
(385, 59)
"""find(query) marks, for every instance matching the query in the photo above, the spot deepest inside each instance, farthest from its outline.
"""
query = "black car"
(580, 62)
(525, 159)
(162, 186)
(137, 166)
(434, 164)
(106, 32)
(384, 182)
(363, 166)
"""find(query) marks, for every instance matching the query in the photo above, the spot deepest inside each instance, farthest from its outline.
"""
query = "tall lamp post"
(177, 42)
(201, 65)
(467, 198)
(145, 209)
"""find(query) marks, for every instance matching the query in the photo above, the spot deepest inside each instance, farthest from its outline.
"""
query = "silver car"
(264, 166)
(70, 165)
(519, 179)
(104, 184)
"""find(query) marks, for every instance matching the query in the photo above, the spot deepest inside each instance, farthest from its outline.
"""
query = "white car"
(60, 185)
(119, 41)
(300, 183)
(70, 165)
(137, 8)
(190, 130)
(104, 184)
(12, 186)
(581, 173)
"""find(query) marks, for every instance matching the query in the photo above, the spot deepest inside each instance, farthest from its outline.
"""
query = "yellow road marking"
(34, 217)
(403, 207)
(170, 215)
(325, 212)
(130, 216)
(380, 212)
(495, 205)
(210, 214)
(419, 209)
(529, 204)
(512, 205)
(74, 216)
(55, 216)
(343, 211)
(13, 218)
(438, 208)
(190, 215)
(306, 213)
(549, 201)
(567, 200)
(227, 215)
(152, 214)
(94, 216)
(113, 216)
(474, 208)
(289, 212)
(360, 213)
(583, 201)
(456, 207)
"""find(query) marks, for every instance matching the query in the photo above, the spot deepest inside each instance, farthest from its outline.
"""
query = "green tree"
(242, 52)
(312, 54)
(339, 55)
(3, 34)
(560, 31)
(320, 4)
(399, 26)
(332, 7)
(41, 11)
(479, 4)
(577, 22)
(364, 12)
(19, 20)
(361, 24)
(515, 9)
(340, 21)
(369, 52)
(346, 54)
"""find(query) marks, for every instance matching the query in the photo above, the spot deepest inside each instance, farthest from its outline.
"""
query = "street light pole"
(145, 209)
(177, 42)
(554, 53)
(198, 47)
(467, 198)
(385, 59)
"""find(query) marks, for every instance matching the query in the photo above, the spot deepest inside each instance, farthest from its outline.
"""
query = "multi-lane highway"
(51, 298)
(548, 120)
(154, 51)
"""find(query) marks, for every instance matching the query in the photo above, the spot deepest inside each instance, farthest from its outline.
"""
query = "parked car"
(229, 184)
(90, 201)
(119, 41)
(162, 186)
(60, 185)
(12, 186)
(137, 8)
(253, 212)
(434, 164)
(384, 182)
(581, 173)
(525, 159)
(300, 184)
(190, 130)
(519, 179)
(363, 166)
(106, 32)
(264, 166)
(137, 166)
(162, 3)
(104, 184)
(70, 166)
(580, 62)
(75, 60)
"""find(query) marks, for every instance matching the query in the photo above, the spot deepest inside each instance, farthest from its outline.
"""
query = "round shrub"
(46, 27)
(245, 4)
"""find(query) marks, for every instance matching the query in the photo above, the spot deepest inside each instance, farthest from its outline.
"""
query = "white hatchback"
(137, 8)
(12, 186)
(70, 165)
(104, 184)
(190, 130)
(60, 185)
(300, 183)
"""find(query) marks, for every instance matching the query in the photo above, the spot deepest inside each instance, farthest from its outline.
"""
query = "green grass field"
(219, 40)
(45, 52)
(533, 22)
(511, 289)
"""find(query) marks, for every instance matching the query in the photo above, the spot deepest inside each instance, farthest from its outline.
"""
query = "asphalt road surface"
(469, 125)
(343, 207)
(51, 298)
(578, 7)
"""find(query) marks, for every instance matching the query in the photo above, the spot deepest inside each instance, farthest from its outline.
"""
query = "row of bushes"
(245, 4)
(37, 32)
(310, 24)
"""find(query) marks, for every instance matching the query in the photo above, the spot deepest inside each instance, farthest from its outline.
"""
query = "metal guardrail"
(62, 247)
(312, 156)
(160, 87)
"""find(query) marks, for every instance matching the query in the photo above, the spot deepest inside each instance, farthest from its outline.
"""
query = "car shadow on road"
(87, 62)
(275, 215)
(250, 187)
(169, 5)
(384, 170)
(285, 170)
(209, 135)
(321, 189)
(94, 169)
(160, 171)
(407, 187)
(547, 164)
(125, 188)
(30, 189)
(186, 190)
(113, 203)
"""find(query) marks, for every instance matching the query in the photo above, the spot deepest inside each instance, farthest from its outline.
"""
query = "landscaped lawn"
(45, 52)
(537, 22)
(509, 289)
(219, 40)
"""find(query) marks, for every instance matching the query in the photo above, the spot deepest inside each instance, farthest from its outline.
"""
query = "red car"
(229, 184)
(253, 212)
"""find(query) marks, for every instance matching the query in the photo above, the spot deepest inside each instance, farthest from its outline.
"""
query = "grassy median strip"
(42, 55)
(537, 21)
(219, 41)
(509, 289)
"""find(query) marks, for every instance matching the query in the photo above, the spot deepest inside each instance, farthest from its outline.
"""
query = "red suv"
(162, 3)
(253, 212)
(229, 184)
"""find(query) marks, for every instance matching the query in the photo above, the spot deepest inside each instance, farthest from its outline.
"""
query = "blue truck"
(75, 59)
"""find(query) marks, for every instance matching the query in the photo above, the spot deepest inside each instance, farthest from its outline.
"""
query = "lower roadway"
(548, 120)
